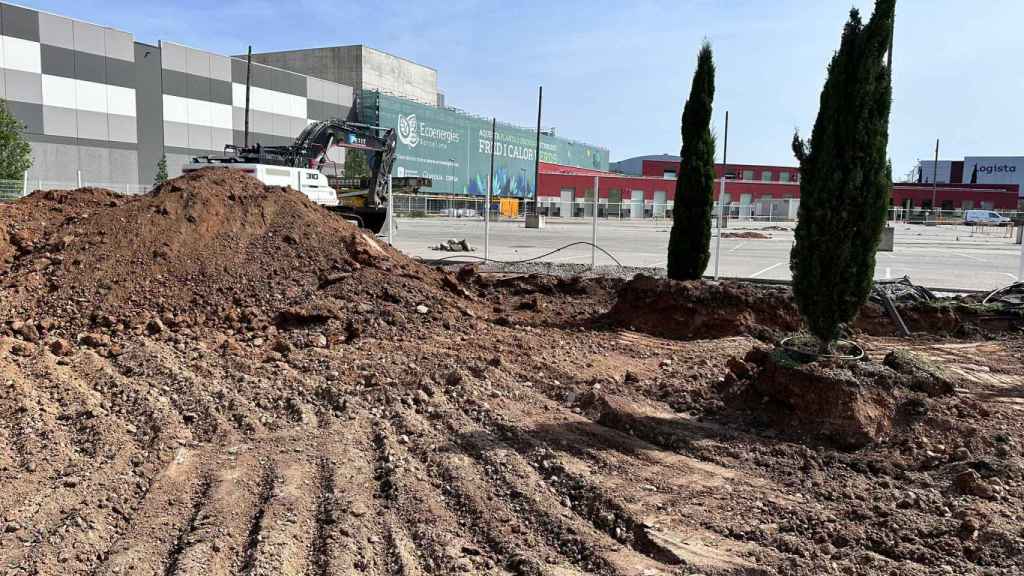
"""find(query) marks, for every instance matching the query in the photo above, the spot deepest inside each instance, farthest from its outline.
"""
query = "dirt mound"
(214, 247)
(747, 235)
(692, 310)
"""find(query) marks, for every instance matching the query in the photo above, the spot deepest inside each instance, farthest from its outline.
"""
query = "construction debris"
(453, 245)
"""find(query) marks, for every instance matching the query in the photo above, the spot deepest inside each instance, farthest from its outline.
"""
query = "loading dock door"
(568, 195)
(637, 206)
(660, 203)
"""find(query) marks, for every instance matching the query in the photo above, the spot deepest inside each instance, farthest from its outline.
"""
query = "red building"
(751, 190)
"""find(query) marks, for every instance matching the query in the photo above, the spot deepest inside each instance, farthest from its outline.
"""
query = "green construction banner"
(454, 148)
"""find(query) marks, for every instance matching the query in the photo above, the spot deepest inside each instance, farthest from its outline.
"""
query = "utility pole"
(935, 174)
(536, 155)
(593, 233)
(721, 193)
(248, 84)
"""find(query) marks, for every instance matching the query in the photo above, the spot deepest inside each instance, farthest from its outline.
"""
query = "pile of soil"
(212, 249)
(701, 309)
(749, 235)
(698, 309)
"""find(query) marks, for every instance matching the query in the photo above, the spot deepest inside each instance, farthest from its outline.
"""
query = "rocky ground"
(221, 378)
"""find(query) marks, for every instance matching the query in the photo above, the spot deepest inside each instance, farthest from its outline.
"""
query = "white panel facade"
(23, 55)
(91, 96)
(59, 91)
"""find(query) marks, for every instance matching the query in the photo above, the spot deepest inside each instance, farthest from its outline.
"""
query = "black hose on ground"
(556, 250)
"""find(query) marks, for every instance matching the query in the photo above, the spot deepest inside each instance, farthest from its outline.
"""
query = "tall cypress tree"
(690, 240)
(845, 178)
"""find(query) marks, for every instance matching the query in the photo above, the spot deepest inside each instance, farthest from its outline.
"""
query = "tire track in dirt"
(287, 522)
(319, 553)
(143, 545)
(355, 539)
(174, 554)
(268, 479)
(588, 487)
(222, 530)
(534, 534)
(437, 535)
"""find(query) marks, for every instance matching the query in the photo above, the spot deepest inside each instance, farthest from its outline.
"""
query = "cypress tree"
(161, 171)
(690, 240)
(845, 178)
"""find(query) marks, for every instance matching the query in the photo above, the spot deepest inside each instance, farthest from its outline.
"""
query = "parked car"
(985, 218)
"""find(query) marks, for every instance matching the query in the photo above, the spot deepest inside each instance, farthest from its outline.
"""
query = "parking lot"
(954, 257)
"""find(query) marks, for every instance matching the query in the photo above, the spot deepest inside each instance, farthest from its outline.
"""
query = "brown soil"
(690, 310)
(242, 384)
(747, 235)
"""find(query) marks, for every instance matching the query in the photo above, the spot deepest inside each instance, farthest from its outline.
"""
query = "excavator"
(362, 200)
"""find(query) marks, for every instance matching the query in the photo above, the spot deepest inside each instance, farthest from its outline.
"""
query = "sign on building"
(994, 170)
(454, 149)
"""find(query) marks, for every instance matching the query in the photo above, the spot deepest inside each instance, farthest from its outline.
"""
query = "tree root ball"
(848, 404)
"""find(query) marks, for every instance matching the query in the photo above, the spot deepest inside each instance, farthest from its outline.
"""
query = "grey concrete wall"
(360, 67)
(149, 108)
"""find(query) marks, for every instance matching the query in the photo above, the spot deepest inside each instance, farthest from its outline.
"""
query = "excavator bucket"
(371, 219)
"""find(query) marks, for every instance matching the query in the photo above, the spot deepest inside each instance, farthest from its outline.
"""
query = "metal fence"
(938, 249)
(13, 189)
(423, 206)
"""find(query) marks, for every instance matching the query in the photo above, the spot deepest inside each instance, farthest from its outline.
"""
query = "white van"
(310, 182)
(985, 218)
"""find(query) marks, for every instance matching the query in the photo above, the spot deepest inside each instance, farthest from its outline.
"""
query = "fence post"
(593, 213)
(79, 178)
(391, 213)
(24, 184)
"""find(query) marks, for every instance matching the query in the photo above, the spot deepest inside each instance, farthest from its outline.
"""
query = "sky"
(617, 73)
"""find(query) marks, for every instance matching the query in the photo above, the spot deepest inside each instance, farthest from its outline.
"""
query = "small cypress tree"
(690, 239)
(15, 151)
(845, 179)
(161, 171)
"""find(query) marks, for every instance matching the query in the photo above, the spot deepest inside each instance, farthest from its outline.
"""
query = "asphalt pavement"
(952, 257)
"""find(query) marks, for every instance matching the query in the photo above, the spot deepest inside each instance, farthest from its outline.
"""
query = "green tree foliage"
(161, 171)
(355, 164)
(690, 239)
(845, 178)
(15, 152)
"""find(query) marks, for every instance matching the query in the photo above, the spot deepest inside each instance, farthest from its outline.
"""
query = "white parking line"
(1012, 276)
(968, 256)
(738, 246)
(772, 267)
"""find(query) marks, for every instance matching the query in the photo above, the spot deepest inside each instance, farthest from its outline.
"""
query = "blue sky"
(616, 73)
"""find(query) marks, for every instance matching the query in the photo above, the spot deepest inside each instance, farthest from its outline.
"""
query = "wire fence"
(949, 249)
(11, 190)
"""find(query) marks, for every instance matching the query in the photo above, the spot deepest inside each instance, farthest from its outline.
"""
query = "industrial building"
(102, 109)
(362, 68)
(996, 170)
(751, 191)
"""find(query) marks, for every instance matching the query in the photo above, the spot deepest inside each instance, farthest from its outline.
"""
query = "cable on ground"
(556, 250)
